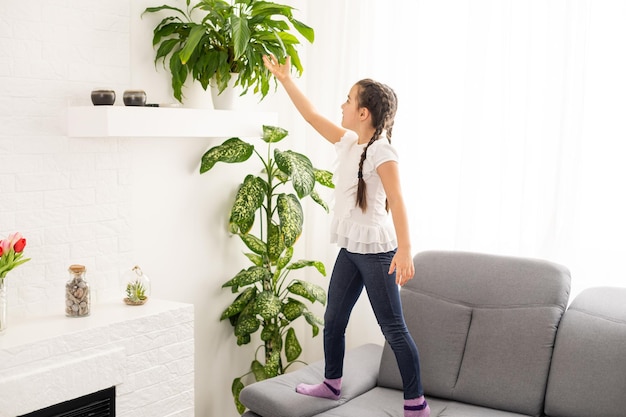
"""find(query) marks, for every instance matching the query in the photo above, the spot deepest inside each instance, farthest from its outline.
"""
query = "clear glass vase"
(136, 287)
(3, 305)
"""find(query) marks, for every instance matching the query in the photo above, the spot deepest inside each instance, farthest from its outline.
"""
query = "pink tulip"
(14, 238)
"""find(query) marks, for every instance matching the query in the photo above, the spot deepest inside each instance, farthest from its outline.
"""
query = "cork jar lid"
(77, 268)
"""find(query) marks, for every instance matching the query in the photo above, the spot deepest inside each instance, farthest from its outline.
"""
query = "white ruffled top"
(371, 231)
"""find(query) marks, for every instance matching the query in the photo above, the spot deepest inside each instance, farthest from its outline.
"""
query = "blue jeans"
(351, 273)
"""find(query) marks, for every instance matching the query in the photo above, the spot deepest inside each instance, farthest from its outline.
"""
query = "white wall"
(112, 203)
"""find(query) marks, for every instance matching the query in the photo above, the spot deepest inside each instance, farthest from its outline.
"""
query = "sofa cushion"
(439, 320)
(277, 397)
(484, 326)
(388, 402)
(588, 373)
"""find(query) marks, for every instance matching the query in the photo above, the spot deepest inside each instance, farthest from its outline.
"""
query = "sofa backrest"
(485, 327)
(588, 372)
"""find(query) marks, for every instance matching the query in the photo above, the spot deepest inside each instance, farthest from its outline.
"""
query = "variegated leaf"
(292, 346)
(269, 332)
(255, 259)
(267, 305)
(240, 303)
(291, 217)
(273, 134)
(258, 370)
(304, 263)
(232, 150)
(272, 365)
(299, 169)
(285, 258)
(308, 290)
(316, 197)
(314, 321)
(275, 242)
(324, 177)
(248, 200)
(293, 309)
(247, 325)
(253, 243)
(248, 276)
(236, 388)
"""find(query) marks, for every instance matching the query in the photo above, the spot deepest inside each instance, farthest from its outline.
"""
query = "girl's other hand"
(280, 71)
(402, 263)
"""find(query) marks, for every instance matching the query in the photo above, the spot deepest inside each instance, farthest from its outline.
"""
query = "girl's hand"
(280, 71)
(402, 263)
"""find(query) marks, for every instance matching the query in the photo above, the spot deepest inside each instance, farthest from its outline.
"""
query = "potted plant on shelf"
(214, 40)
(268, 299)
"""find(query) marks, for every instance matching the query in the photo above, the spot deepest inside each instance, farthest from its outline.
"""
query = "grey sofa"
(495, 339)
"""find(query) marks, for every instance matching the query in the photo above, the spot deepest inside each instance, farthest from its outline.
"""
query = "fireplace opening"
(97, 404)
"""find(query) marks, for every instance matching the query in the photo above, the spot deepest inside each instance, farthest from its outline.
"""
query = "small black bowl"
(103, 97)
(134, 98)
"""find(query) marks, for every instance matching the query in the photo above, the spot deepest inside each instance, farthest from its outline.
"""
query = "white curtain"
(510, 124)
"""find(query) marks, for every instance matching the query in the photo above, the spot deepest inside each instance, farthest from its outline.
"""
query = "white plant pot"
(227, 99)
(195, 97)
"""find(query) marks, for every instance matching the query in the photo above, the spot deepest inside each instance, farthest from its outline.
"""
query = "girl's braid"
(381, 101)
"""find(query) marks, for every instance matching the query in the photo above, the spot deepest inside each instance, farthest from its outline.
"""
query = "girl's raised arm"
(329, 130)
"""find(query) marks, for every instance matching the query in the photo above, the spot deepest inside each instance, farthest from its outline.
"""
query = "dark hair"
(382, 102)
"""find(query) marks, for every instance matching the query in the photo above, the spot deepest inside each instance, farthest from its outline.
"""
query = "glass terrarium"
(136, 287)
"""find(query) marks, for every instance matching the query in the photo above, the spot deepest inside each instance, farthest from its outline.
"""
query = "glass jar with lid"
(136, 287)
(77, 297)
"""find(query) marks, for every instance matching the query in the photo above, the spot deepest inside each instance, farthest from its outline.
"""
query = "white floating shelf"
(123, 121)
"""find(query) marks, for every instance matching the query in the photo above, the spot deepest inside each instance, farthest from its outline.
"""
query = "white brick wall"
(147, 352)
(69, 197)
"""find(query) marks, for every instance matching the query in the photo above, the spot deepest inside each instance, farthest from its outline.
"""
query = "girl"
(372, 249)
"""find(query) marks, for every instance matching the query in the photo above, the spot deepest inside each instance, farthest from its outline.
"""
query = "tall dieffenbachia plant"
(268, 217)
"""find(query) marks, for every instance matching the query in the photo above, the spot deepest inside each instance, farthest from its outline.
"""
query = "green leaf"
(258, 370)
(269, 332)
(253, 243)
(275, 242)
(248, 200)
(196, 34)
(240, 303)
(243, 340)
(273, 134)
(164, 7)
(306, 31)
(247, 277)
(299, 169)
(267, 305)
(308, 290)
(286, 258)
(233, 150)
(236, 388)
(272, 365)
(257, 260)
(247, 325)
(314, 321)
(304, 263)
(292, 346)
(293, 309)
(291, 217)
(241, 35)
(316, 197)
(324, 177)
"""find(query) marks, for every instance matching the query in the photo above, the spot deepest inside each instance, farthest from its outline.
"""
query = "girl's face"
(350, 110)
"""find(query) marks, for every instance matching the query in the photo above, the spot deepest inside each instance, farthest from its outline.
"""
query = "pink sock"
(417, 407)
(330, 388)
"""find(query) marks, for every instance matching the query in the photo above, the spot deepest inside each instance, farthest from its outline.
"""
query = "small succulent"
(135, 291)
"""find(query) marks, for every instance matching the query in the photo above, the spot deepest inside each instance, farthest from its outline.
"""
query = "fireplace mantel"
(145, 351)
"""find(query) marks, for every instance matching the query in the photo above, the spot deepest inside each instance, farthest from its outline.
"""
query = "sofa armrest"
(277, 397)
